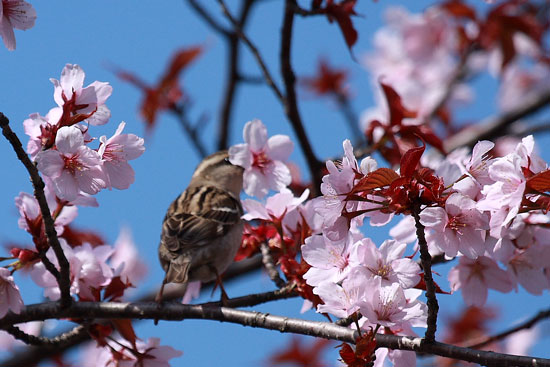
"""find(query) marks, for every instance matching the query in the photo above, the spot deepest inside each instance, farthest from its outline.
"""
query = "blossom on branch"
(115, 153)
(17, 14)
(73, 167)
(262, 159)
(10, 298)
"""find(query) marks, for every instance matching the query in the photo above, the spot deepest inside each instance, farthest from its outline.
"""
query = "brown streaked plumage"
(202, 229)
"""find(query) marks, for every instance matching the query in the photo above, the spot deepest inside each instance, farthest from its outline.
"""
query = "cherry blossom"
(70, 94)
(329, 260)
(10, 298)
(456, 228)
(388, 306)
(126, 260)
(29, 210)
(275, 209)
(519, 84)
(115, 153)
(475, 277)
(17, 14)
(41, 130)
(87, 266)
(73, 167)
(262, 159)
(151, 354)
(342, 300)
(386, 263)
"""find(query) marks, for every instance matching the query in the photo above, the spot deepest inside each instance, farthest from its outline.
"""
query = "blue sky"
(140, 36)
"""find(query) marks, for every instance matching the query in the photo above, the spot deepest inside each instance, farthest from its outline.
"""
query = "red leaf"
(327, 80)
(422, 285)
(458, 9)
(376, 179)
(348, 354)
(397, 111)
(77, 237)
(539, 182)
(126, 330)
(115, 289)
(342, 12)
(410, 160)
(299, 354)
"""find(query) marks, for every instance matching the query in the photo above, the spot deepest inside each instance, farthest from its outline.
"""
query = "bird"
(202, 229)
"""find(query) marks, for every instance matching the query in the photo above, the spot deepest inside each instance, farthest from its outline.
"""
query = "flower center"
(260, 160)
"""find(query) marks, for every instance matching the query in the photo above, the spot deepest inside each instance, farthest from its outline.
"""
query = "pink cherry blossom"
(8, 342)
(388, 306)
(73, 167)
(10, 298)
(152, 354)
(456, 228)
(29, 209)
(275, 208)
(526, 267)
(479, 163)
(329, 260)
(115, 153)
(70, 94)
(41, 130)
(126, 260)
(386, 263)
(519, 84)
(17, 14)
(342, 300)
(475, 277)
(262, 159)
(87, 266)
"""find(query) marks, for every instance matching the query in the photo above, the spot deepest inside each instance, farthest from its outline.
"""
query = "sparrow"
(202, 229)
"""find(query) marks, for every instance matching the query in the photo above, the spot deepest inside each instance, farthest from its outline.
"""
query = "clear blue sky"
(140, 36)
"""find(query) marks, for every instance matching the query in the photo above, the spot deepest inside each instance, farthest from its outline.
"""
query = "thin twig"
(63, 276)
(291, 105)
(426, 260)
(351, 118)
(524, 325)
(178, 312)
(233, 78)
(180, 113)
(265, 71)
(269, 265)
(208, 18)
(495, 126)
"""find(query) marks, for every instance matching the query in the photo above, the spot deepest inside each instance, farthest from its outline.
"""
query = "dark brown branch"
(208, 18)
(426, 260)
(60, 341)
(233, 78)
(524, 325)
(291, 103)
(178, 312)
(63, 276)
(351, 119)
(190, 131)
(265, 71)
(495, 126)
(270, 267)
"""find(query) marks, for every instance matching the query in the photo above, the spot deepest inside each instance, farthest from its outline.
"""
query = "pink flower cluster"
(59, 142)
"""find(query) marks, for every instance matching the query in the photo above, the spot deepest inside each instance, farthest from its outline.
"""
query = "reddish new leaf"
(410, 160)
(397, 111)
(126, 330)
(422, 285)
(77, 237)
(458, 9)
(539, 182)
(327, 80)
(297, 353)
(376, 179)
(342, 12)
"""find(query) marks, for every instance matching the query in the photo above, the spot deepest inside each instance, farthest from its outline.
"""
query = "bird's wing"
(188, 224)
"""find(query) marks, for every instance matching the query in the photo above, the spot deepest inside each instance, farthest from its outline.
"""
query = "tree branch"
(233, 78)
(426, 261)
(63, 276)
(180, 113)
(524, 325)
(265, 71)
(291, 105)
(208, 18)
(495, 126)
(270, 267)
(64, 339)
(151, 310)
